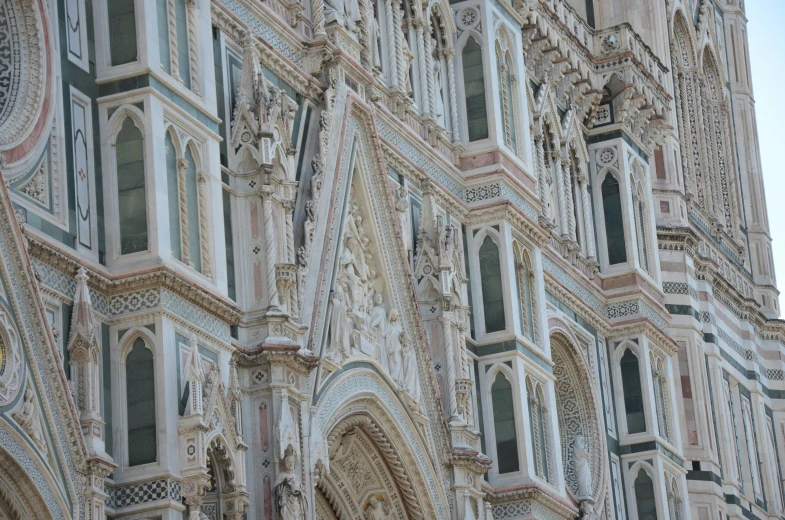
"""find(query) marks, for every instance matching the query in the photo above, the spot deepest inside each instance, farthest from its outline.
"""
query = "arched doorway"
(366, 478)
(578, 414)
(19, 496)
(221, 483)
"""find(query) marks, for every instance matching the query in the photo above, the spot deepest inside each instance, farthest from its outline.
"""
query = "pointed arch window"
(540, 435)
(504, 424)
(140, 404)
(474, 90)
(491, 282)
(132, 200)
(614, 222)
(644, 496)
(633, 393)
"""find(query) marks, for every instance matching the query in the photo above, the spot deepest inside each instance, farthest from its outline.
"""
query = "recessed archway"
(577, 410)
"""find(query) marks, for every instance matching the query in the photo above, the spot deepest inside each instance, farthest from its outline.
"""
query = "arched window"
(504, 425)
(633, 393)
(183, 61)
(192, 197)
(644, 496)
(173, 195)
(140, 403)
(132, 200)
(491, 281)
(614, 223)
(474, 90)
(122, 31)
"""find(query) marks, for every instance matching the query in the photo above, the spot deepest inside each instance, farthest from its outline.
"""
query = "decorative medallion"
(468, 18)
(606, 156)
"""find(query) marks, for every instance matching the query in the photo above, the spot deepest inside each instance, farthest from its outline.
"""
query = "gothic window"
(644, 496)
(491, 281)
(474, 90)
(140, 403)
(504, 424)
(614, 222)
(507, 94)
(633, 393)
(173, 196)
(122, 31)
(526, 294)
(132, 200)
(181, 24)
(192, 203)
(164, 48)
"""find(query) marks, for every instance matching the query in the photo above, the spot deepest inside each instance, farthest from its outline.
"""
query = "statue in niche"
(402, 208)
(288, 494)
(581, 466)
(29, 419)
(409, 57)
(393, 348)
(377, 510)
(437, 87)
(411, 379)
(376, 41)
(345, 13)
(339, 326)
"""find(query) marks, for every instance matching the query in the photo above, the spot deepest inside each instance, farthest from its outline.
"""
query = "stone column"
(400, 41)
(392, 47)
(429, 67)
(569, 203)
(449, 55)
(422, 65)
(542, 181)
(193, 53)
(204, 229)
(269, 246)
(182, 165)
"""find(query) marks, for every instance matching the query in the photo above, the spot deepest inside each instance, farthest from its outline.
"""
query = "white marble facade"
(384, 259)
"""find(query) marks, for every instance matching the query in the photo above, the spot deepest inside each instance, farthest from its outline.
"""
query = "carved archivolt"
(11, 368)
(19, 498)
(352, 446)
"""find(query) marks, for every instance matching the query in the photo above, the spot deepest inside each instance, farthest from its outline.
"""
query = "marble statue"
(411, 379)
(581, 465)
(288, 493)
(339, 326)
(345, 13)
(438, 91)
(393, 347)
(29, 419)
(402, 209)
(376, 325)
